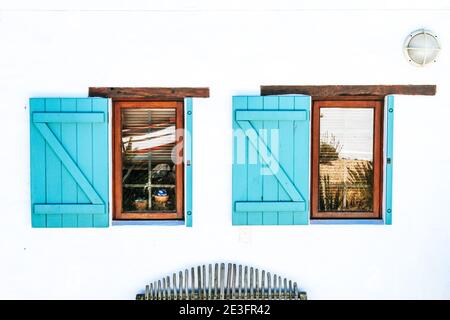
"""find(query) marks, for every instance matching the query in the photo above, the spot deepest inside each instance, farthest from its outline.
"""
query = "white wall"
(61, 49)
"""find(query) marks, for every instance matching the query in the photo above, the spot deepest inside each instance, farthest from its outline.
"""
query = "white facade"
(54, 49)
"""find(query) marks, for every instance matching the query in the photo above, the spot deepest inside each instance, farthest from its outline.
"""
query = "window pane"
(346, 159)
(148, 172)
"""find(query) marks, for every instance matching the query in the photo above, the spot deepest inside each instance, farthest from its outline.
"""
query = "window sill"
(349, 221)
(148, 223)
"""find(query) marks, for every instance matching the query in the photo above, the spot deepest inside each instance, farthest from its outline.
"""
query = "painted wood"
(350, 90)
(286, 158)
(302, 157)
(240, 151)
(255, 206)
(254, 162)
(266, 191)
(281, 175)
(269, 115)
(100, 160)
(53, 164)
(84, 151)
(69, 209)
(270, 183)
(63, 157)
(69, 186)
(118, 212)
(389, 159)
(68, 117)
(69, 141)
(188, 161)
(376, 107)
(37, 166)
(148, 93)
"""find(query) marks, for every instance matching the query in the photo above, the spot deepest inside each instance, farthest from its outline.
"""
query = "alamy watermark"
(252, 147)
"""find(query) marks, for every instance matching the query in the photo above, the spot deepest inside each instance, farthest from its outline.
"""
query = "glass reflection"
(148, 172)
(346, 159)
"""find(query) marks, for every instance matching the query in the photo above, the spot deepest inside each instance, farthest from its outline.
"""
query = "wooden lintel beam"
(350, 90)
(148, 93)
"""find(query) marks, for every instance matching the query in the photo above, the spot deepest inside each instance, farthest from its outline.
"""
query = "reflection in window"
(148, 172)
(346, 159)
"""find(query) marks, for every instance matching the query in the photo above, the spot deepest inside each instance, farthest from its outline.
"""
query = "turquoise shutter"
(271, 160)
(188, 161)
(69, 162)
(389, 158)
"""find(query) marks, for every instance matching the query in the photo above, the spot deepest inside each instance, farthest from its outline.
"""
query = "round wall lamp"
(421, 47)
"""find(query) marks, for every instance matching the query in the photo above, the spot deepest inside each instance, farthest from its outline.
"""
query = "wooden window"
(346, 168)
(147, 160)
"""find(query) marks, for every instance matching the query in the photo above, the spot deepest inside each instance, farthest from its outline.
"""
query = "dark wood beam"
(148, 93)
(350, 90)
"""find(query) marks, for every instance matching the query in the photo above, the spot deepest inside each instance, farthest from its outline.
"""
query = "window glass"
(148, 172)
(346, 157)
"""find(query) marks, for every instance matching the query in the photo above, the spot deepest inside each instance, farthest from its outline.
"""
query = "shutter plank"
(270, 183)
(53, 166)
(188, 161)
(68, 209)
(254, 164)
(100, 161)
(286, 158)
(389, 155)
(239, 168)
(68, 117)
(69, 142)
(38, 166)
(84, 160)
(274, 206)
(301, 157)
(268, 115)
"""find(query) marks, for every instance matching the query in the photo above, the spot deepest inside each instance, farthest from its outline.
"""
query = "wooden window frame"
(375, 103)
(118, 105)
